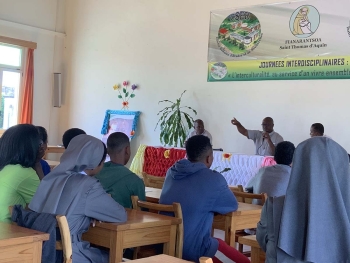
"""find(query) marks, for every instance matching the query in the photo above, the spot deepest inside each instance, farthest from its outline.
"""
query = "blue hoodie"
(201, 193)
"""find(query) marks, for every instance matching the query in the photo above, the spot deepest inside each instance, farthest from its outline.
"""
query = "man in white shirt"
(199, 130)
(265, 141)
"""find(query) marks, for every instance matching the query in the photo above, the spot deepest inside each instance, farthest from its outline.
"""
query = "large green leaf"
(120, 96)
(132, 95)
(126, 94)
(124, 90)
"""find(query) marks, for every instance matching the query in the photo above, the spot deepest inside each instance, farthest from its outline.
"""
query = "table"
(54, 149)
(246, 216)
(153, 194)
(18, 244)
(160, 259)
(140, 229)
(157, 160)
(257, 254)
(52, 164)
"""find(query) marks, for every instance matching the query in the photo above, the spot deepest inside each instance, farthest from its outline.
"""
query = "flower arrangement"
(125, 95)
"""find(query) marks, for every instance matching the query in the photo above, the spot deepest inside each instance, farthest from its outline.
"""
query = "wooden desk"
(54, 149)
(18, 244)
(257, 254)
(140, 229)
(246, 216)
(52, 164)
(160, 259)
(153, 194)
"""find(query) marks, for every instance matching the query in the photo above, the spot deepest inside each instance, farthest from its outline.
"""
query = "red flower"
(132, 133)
(125, 83)
(227, 155)
(125, 103)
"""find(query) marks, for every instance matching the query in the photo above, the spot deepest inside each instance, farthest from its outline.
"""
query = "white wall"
(34, 21)
(162, 45)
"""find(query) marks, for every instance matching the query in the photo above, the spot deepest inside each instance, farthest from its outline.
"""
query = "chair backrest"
(205, 260)
(238, 188)
(175, 208)
(247, 197)
(153, 181)
(66, 238)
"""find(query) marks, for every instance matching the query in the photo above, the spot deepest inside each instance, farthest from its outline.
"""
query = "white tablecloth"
(243, 167)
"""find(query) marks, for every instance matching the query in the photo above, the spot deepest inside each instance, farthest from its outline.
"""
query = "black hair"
(104, 153)
(42, 133)
(19, 145)
(197, 147)
(117, 141)
(70, 134)
(284, 152)
(318, 127)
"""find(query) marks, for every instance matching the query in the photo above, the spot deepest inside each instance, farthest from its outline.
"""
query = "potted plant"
(174, 123)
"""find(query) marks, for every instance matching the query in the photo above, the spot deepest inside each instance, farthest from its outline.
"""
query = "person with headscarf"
(311, 223)
(71, 190)
(301, 23)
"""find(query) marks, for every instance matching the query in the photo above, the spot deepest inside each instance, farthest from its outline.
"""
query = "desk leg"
(255, 255)
(37, 251)
(116, 247)
(227, 229)
(169, 247)
(232, 233)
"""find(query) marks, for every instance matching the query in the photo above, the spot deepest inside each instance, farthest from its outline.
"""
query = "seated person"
(70, 134)
(316, 129)
(71, 190)
(273, 180)
(199, 130)
(19, 154)
(317, 201)
(43, 136)
(201, 192)
(115, 178)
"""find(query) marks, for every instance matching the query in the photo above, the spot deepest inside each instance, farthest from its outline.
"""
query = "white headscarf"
(315, 223)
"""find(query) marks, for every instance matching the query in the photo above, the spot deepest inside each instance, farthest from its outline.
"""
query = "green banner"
(296, 40)
(305, 68)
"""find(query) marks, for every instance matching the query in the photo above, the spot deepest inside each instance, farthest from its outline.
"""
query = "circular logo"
(239, 34)
(304, 21)
(218, 70)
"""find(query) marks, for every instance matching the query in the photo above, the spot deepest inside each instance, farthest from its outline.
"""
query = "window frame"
(4, 67)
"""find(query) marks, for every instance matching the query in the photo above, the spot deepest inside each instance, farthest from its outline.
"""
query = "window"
(11, 61)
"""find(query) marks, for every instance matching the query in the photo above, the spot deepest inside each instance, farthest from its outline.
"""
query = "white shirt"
(205, 133)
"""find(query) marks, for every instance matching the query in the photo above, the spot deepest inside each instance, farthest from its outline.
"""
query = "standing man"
(265, 141)
(199, 130)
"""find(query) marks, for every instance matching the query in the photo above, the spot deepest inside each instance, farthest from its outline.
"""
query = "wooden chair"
(247, 198)
(174, 208)
(205, 260)
(237, 188)
(153, 181)
(65, 244)
(257, 254)
(65, 238)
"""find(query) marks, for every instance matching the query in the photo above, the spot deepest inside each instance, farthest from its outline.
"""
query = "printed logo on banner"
(239, 34)
(304, 21)
(218, 70)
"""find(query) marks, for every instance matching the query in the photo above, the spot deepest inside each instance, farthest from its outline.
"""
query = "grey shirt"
(261, 145)
(272, 180)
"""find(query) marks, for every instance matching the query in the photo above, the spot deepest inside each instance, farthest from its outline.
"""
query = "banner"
(298, 40)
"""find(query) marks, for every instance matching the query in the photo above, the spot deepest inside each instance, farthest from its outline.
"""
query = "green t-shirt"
(17, 186)
(121, 183)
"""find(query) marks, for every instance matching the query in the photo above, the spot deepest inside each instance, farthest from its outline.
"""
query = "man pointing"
(265, 141)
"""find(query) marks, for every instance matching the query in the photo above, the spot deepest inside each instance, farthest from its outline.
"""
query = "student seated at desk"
(311, 223)
(273, 180)
(43, 136)
(70, 134)
(115, 178)
(71, 190)
(20, 154)
(201, 193)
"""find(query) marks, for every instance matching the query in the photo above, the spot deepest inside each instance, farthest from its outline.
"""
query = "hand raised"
(235, 122)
